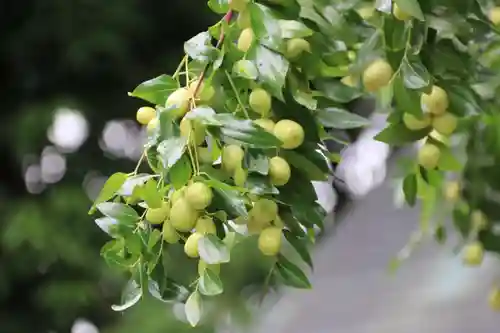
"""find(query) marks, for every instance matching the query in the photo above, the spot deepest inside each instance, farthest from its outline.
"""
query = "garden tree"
(235, 138)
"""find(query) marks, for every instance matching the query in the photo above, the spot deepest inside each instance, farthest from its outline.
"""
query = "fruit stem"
(237, 95)
(178, 70)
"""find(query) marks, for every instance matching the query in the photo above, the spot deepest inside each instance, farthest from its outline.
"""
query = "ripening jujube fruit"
(193, 130)
(445, 123)
(269, 242)
(202, 266)
(182, 216)
(279, 171)
(260, 101)
(290, 133)
(428, 156)
(473, 254)
(204, 155)
(494, 15)
(205, 92)
(205, 225)
(245, 40)
(478, 220)
(169, 234)
(232, 156)
(377, 75)
(266, 124)
(240, 176)
(399, 14)
(452, 191)
(158, 215)
(152, 125)
(243, 21)
(254, 226)
(264, 210)
(180, 100)
(414, 123)
(296, 46)
(494, 296)
(436, 102)
(198, 195)
(176, 195)
(238, 5)
(145, 114)
(191, 247)
(278, 222)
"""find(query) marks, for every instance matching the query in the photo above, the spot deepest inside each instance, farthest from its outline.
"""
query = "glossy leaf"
(292, 275)
(213, 250)
(200, 48)
(339, 118)
(156, 90)
(171, 150)
(410, 189)
(121, 212)
(131, 295)
(210, 284)
(193, 309)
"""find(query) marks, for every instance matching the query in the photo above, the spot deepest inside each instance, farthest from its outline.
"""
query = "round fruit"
(205, 92)
(180, 100)
(238, 5)
(158, 215)
(413, 123)
(494, 296)
(266, 124)
(152, 125)
(479, 220)
(351, 55)
(428, 156)
(279, 171)
(436, 102)
(145, 114)
(205, 225)
(182, 216)
(445, 123)
(177, 194)
(295, 47)
(232, 155)
(377, 75)
(191, 246)
(243, 21)
(240, 177)
(290, 133)
(193, 130)
(270, 241)
(348, 81)
(205, 155)
(264, 210)
(494, 15)
(245, 40)
(278, 222)
(452, 191)
(198, 195)
(202, 266)
(260, 101)
(255, 226)
(399, 14)
(169, 233)
(473, 254)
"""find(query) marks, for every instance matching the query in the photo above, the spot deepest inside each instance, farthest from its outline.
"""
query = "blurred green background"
(67, 123)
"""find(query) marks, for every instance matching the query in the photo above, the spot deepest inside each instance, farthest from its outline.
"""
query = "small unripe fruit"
(255, 226)
(445, 123)
(198, 195)
(169, 233)
(295, 47)
(158, 215)
(202, 266)
(351, 55)
(266, 124)
(428, 156)
(473, 254)
(279, 171)
(452, 191)
(245, 40)
(192, 130)
(399, 14)
(182, 216)
(413, 123)
(205, 92)
(191, 247)
(204, 155)
(243, 21)
(278, 222)
(494, 15)
(177, 194)
(494, 296)
(436, 102)
(377, 75)
(264, 210)
(238, 5)
(478, 220)
(232, 156)
(205, 225)
(240, 177)
(152, 125)
(145, 114)
(260, 101)
(270, 241)
(290, 133)
(180, 100)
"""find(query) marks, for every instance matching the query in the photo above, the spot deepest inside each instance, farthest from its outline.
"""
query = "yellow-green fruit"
(439, 137)
(428, 156)
(245, 40)
(177, 194)
(366, 11)
(158, 215)
(191, 246)
(413, 123)
(182, 216)
(255, 226)
(198, 195)
(295, 47)
(278, 222)
(260, 101)
(399, 14)
(436, 102)
(348, 81)
(264, 210)
(205, 92)
(145, 114)
(241, 220)
(351, 55)
(232, 156)
(494, 15)
(279, 171)
(205, 225)
(193, 130)
(169, 233)
(445, 124)
(452, 191)
(202, 266)
(290, 133)
(238, 5)
(152, 125)
(266, 124)
(240, 177)
(243, 20)
(377, 75)
(494, 296)
(180, 100)
(270, 241)
(205, 155)
(478, 220)
(473, 254)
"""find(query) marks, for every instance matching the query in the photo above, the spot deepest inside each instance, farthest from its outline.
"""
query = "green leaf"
(106, 223)
(171, 150)
(210, 284)
(302, 163)
(398, 134)
(415, 75)
(336, 91)
(260, 185)
(213, 250)
(265, 26)
(154, 237)
(121, 212)
(341, 119)
(219, 6)
(200, 48)
(132, 182)
(300, 245)
(130, 296)
(411, 7)
(256, 161)
(410, 189)
(448, 162)
(245, 69)
(151, 195)
(110, 188)
(292, 275)
(156, 90)
(406, 100)
(193, 308)
(180, 173)
(294, 29)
